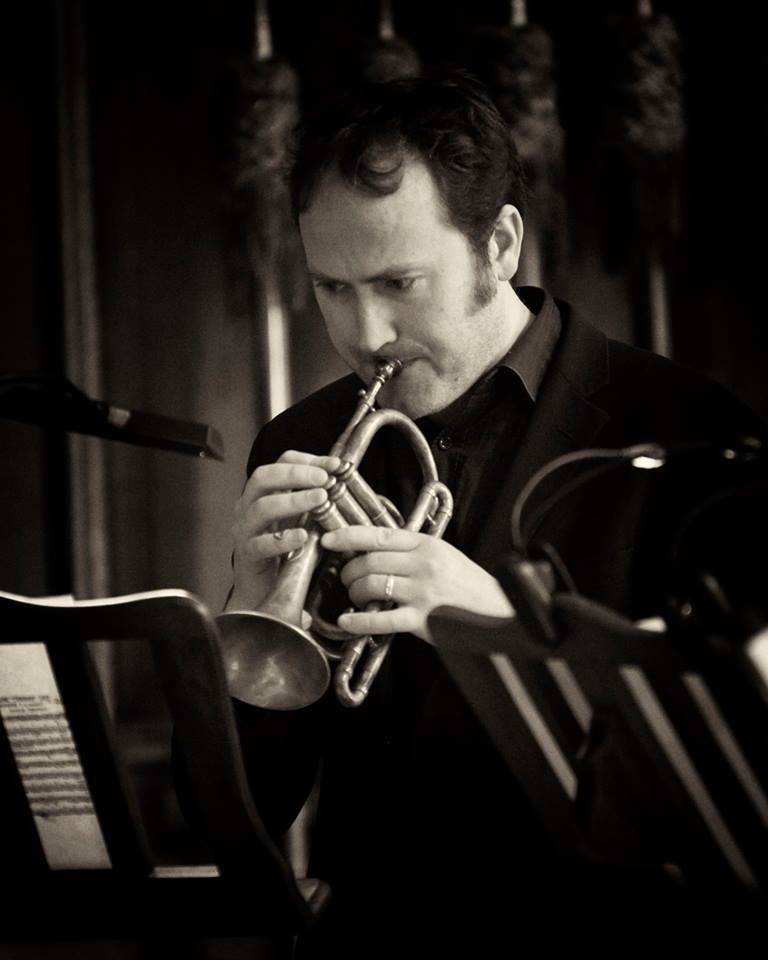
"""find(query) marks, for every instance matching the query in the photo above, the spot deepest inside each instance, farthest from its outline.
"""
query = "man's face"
(394, 278)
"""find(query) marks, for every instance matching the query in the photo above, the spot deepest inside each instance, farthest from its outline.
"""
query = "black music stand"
(248, 890)
(633, 745)
(56, 403)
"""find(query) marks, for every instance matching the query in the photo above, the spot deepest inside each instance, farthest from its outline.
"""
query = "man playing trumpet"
(398, 274)
(409, 210)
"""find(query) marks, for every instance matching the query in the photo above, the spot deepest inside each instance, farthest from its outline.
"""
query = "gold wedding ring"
(389, 587)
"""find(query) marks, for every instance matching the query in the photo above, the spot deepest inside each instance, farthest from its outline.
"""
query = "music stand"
(248, 888)
(629, 742)
(56, 403)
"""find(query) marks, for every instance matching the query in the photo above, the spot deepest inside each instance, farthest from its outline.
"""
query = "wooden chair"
(116, 891)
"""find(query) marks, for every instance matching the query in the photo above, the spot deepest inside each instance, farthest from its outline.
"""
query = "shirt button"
(445, 443)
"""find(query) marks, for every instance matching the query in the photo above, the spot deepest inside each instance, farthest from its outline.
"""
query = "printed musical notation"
(47, 760)
(46, 756)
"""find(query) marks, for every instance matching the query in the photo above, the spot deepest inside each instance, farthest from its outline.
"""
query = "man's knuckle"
(371, 582)
(297, 475)
(384, 536)
(251, 549)
(355, 593)
(258, 515)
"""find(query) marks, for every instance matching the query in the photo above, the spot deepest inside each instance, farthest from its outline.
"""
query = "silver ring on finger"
(389, 586)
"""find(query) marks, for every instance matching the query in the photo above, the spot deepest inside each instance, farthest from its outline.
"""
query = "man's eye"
(400, 284)
(329, 286)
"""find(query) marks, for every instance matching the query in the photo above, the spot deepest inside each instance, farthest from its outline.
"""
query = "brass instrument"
(271, 660)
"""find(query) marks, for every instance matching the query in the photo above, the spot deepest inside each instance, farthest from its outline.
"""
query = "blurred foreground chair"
(634, 745)
(74, 848)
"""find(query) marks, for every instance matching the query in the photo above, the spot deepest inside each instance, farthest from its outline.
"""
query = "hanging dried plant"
(516, 63)
(269, 112)
(641, 141)
(269, 91)
(642, 118)
(644, 113)
(390, 57)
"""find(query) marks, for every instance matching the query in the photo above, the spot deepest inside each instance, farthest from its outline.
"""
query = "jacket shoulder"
(644, 395)
(679, 398)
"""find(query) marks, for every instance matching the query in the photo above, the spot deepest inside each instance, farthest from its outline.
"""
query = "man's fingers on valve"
(359, 539)
(396, 620)
(384, 587)
(370, 565)
(293, 471)
(264, 546)
(329, 464)
(278, 507)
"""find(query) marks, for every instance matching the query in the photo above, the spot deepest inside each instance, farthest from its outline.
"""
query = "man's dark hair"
(450, 123)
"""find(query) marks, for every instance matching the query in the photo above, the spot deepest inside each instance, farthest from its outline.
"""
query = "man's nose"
(375, 324)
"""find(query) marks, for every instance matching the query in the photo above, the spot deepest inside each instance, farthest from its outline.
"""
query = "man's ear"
(506, 242)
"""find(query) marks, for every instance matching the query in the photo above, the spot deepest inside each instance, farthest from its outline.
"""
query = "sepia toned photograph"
(384, 480)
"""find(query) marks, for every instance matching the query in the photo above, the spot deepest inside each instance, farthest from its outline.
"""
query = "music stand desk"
(623, 736)
(251, 890)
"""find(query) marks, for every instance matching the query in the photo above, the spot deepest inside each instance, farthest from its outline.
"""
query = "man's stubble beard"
(484, 291)
(486, 285)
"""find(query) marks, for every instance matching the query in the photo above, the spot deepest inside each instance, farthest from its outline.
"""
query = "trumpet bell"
(271, 663)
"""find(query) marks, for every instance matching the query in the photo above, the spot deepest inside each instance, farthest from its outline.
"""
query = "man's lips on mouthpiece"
(404, 362)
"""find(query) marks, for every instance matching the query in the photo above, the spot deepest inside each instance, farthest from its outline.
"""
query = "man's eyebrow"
(397, 270)
(318, 275)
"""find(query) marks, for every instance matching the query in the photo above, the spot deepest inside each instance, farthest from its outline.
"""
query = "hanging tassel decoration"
(516, 64)
(643, 134)
(270, 94)
(390, 57)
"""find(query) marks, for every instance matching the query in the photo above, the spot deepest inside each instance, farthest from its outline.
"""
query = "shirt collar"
(527, 359)
(531, 352)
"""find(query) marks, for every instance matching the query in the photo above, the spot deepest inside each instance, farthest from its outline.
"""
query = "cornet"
(271, 659)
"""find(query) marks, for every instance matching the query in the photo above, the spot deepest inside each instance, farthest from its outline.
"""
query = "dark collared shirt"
(491, 418)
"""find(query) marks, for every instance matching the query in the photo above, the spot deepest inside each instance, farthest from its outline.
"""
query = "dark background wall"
(32, 518)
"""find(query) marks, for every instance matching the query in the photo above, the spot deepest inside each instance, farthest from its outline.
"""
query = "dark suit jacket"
(417, 815)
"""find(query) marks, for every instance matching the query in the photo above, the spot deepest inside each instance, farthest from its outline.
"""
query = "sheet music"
(47, 760)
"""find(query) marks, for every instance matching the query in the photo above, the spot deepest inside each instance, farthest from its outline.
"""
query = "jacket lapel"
(564, 419)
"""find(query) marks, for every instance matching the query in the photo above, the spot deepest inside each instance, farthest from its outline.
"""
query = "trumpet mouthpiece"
(387, 369)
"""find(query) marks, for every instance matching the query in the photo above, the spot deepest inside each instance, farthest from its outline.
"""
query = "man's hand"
(266, 517)
(423, 573)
